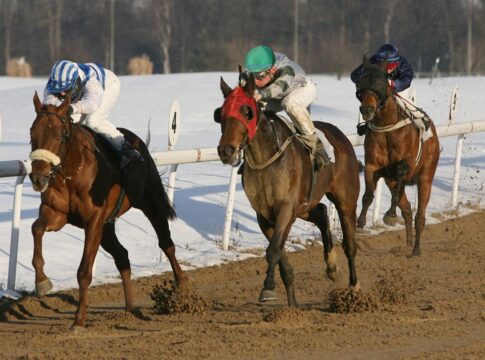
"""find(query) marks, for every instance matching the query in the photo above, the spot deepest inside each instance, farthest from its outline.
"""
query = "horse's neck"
(263, 145)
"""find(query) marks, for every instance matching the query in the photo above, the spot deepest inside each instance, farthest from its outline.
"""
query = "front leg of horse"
(285, 219)
(85, 271)
(48, 220)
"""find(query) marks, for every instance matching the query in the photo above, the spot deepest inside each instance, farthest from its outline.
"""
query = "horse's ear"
(37, 103)
(65, 104)
(365, 60)
(240, 68)
(250, 87)
(226, 89)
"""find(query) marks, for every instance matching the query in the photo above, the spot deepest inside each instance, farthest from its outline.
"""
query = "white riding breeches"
(98, 120)
(297, 105)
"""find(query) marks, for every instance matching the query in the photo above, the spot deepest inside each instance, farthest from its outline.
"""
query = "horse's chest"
(264, 192)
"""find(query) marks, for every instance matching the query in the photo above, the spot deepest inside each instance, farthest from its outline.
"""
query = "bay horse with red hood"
(80, 183)
(395, 149)
(279, 182)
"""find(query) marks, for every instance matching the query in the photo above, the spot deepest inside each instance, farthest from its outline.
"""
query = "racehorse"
(279, 182)
(81, 184)
(396, 151)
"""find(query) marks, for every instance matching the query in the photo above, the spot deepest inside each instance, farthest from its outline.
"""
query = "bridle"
(65, 138)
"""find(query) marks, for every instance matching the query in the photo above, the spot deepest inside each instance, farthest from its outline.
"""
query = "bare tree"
(162, 12)
(8, 8)
(390, 6)
(54, 16)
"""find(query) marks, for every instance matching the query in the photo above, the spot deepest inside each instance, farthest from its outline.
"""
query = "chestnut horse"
(395, 151)
(80, 184)
(279, 182)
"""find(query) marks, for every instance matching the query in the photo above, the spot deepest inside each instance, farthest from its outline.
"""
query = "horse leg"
(394, 175)
(346, 213)
(407, 215)
(286, 270)
(319, 216)
(111, 244)
(368, 197)
(284, 220)
(161, 226)
(49, 220)
(92, 240)
(424, 193)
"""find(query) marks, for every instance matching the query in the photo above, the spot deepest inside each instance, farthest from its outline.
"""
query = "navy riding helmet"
(387, 52)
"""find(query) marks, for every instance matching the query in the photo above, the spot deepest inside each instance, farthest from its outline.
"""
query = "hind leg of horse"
(368, 197)
(346, 210)
(319, 216)
(424, 194)
(49, 220)
(284, 220)
(93, 232)
(161, 226)
(111, 244)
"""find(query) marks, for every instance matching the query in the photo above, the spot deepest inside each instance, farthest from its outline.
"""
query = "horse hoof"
(76, 329)
(333, 273)
(43, 287)
(267, 295)
(360, 231)
(390, 220)
(416, 252)
(356, 287)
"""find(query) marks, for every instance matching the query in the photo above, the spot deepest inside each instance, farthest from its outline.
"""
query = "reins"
(280, 150)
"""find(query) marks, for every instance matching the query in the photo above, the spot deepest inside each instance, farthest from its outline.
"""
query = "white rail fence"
(177, 157)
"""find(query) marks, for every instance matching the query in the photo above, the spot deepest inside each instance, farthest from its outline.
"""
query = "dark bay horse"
(394, 150)
(277, 179)
(80, 184)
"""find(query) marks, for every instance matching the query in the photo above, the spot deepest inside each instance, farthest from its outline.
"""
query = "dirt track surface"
(429, 307)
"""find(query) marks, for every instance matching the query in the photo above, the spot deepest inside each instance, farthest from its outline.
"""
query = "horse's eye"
(247, 112)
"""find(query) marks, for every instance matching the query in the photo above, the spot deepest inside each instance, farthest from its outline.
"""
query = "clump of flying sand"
(346, 301)
(170, 298)
(285, 315)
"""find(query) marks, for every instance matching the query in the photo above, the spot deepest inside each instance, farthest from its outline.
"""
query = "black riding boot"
(362, 128)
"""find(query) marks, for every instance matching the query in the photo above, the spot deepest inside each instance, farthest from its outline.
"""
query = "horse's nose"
(226, 152)
(366, 111)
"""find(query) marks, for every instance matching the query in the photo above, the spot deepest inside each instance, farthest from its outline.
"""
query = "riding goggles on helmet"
(260, 75)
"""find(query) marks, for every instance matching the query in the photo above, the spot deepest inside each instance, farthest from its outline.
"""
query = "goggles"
(260, 75)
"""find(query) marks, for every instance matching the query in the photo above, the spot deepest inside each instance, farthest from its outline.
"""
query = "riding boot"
(129, 154)
(317, 152)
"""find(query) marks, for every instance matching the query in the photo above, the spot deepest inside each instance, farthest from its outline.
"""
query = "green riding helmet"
(259, 58)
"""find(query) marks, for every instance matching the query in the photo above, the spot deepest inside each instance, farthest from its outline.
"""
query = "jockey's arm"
(406, 73)
(51, 99)
(91, 99)
(284, 78)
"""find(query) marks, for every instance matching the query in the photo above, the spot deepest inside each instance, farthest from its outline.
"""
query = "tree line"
(325, 36)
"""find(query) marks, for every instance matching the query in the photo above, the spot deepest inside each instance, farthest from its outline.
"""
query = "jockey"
(399, 73)
(94, 91)
(283, 85)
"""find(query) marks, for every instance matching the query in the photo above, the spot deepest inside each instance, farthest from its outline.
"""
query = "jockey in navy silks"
(399, 73)
(94, 92)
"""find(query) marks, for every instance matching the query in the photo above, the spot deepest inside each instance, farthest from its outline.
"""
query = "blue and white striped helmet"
(63, 76)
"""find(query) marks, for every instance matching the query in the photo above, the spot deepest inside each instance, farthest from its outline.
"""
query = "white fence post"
(229, 209)
(377, 202)
(14, 237)
(173, 133)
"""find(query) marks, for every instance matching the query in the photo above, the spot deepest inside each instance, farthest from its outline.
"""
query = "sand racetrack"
(429, 307)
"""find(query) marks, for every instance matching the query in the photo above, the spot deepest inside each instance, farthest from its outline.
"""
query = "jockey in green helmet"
(283, 85)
